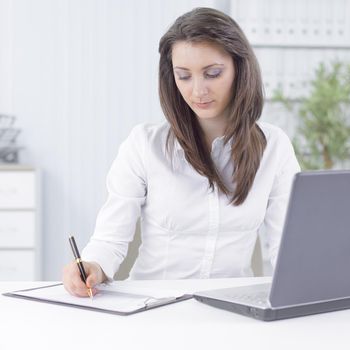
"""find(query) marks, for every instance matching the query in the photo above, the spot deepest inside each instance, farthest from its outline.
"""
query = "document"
(111, 298)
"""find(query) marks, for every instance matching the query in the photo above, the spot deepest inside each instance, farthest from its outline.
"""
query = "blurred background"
(77, 75)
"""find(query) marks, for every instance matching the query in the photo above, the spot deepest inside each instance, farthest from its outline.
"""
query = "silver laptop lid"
(314, 257)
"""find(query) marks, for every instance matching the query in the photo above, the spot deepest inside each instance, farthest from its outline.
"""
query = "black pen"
(79, 262)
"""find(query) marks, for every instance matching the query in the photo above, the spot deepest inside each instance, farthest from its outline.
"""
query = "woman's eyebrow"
(210, 65)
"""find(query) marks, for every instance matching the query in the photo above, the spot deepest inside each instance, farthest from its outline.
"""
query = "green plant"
(323, 133)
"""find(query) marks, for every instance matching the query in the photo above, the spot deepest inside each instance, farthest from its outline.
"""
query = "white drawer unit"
(20, 240)
(17, 265)
(17, 189)
(17, 229)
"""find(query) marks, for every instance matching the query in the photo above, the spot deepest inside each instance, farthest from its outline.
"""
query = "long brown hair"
(210, 25)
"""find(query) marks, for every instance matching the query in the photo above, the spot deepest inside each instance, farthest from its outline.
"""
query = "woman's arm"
(116, 220)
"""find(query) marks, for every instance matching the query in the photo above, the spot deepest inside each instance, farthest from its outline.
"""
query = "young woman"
(204, 181)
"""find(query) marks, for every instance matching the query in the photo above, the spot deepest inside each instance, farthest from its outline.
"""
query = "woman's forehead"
(198, 54)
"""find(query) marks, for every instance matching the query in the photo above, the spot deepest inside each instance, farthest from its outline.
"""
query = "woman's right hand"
(73, 282)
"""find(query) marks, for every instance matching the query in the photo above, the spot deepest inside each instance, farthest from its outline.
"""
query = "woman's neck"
(212, 128)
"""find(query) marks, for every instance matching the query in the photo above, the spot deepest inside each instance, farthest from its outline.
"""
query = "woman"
(203, 182)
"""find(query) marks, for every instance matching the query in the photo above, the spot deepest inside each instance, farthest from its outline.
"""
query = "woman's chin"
(207, 116)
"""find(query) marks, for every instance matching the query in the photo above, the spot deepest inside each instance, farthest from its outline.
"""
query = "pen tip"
(90, 293)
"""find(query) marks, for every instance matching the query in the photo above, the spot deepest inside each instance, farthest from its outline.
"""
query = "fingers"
(73, 282)
(95, 274)
(91, 281)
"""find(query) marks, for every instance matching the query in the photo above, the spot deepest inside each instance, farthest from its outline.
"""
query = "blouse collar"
(220, 152)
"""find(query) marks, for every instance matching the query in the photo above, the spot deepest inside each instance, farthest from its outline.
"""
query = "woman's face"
(204, 74)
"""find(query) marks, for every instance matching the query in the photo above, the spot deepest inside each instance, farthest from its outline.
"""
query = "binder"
(110, 299)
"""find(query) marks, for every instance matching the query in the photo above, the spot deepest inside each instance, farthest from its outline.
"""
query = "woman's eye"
(207, 75)
(213, 74)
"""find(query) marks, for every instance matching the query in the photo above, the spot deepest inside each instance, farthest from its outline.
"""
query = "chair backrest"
(129, 261)
(257, 260)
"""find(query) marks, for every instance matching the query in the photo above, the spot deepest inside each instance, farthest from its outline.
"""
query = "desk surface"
(186, 325)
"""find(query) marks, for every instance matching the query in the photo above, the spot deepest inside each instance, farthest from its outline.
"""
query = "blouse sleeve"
(279, 197)
(116, 220)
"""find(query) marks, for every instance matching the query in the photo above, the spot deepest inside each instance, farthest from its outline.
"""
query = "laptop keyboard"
(252, 295)
(259, 298)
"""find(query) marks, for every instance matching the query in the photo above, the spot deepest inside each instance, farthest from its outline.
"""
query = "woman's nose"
(199, 88)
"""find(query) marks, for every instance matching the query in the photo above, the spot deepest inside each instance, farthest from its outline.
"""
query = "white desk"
(185, 325)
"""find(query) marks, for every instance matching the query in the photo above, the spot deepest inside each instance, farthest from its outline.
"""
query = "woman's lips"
(204, 105)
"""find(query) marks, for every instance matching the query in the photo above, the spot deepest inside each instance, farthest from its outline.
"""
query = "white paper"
(112, 297)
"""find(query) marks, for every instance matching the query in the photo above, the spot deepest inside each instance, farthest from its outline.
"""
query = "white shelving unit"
(20, 239)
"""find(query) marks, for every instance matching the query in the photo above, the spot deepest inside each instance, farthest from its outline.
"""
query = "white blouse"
(188, 230)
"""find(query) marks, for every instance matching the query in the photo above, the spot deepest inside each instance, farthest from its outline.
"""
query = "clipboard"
(112, 299)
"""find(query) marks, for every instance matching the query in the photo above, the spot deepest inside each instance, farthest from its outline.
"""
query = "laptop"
(312, 273)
